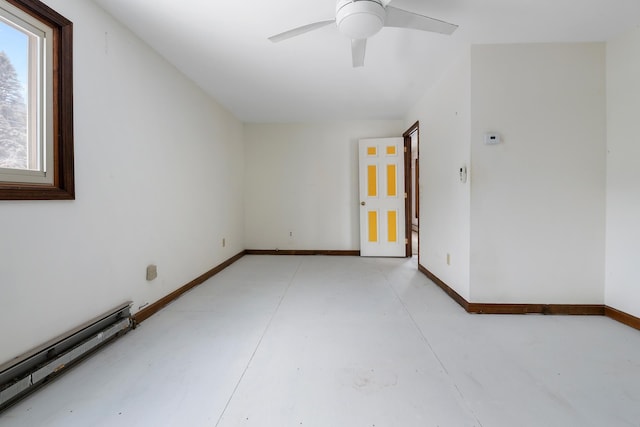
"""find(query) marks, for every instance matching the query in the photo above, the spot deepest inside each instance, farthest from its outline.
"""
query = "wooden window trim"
(63, 187)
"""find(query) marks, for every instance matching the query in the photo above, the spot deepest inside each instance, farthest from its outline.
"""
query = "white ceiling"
(223, 47)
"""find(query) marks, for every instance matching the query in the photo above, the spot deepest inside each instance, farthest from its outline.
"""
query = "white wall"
(623, 173)
(538, 199)
(303, 179)
(159, 177)
(444, 115)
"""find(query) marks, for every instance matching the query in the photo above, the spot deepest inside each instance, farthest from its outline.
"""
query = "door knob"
(363, 203)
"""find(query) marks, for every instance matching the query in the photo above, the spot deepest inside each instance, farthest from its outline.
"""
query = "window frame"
(63, 186)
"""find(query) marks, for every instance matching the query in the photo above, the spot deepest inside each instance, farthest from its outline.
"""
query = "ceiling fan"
(361, 19)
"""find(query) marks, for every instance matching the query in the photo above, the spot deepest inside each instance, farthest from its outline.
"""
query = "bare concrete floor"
(345, 341)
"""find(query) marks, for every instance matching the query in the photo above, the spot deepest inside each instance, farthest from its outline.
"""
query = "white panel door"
(382, 204)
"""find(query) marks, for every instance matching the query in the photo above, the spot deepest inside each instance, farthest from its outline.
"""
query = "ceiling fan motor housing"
(360, 19)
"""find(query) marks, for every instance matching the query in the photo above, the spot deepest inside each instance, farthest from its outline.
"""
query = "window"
(36, 102)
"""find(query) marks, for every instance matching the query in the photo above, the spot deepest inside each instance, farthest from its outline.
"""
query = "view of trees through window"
(13, 118)
(36, 102)
(14, 146)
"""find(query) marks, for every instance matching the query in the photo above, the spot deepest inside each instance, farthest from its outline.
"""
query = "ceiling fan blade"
(404, 19)
(358, 49)
(300, 30)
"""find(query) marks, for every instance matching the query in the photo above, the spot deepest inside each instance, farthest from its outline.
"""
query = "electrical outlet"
(224, 242)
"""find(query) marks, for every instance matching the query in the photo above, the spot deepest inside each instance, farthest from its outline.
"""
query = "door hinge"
(406, 241)
(405, 195)
(405, 148)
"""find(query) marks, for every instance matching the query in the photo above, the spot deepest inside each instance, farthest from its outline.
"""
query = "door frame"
(408, 185)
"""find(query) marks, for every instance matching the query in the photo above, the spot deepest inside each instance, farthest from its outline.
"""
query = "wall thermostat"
(491, 138)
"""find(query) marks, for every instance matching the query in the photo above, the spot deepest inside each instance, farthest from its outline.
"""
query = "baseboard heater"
(24, 374)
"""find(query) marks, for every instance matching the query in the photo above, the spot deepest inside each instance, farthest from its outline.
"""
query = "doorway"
(412, 174)
(382, 168)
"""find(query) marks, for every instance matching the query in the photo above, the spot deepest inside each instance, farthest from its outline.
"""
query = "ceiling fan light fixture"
(360, 19)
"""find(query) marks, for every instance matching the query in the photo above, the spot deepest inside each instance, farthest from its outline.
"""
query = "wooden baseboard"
(152, 309)
(448, 290)
(622, 317)
(300, 252)
(552, 309)
(476, 308)
(557, 309)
